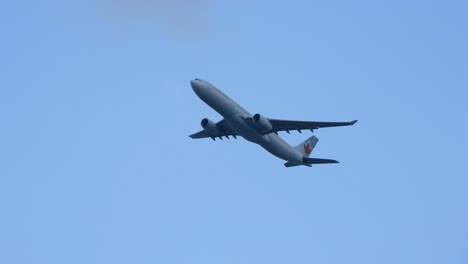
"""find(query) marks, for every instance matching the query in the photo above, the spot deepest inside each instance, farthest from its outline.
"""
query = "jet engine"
(261, 122)
(210, 127)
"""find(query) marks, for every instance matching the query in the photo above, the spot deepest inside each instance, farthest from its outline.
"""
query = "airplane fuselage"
(235, 116)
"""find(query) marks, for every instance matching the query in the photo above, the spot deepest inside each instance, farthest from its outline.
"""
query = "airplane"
(257, 128)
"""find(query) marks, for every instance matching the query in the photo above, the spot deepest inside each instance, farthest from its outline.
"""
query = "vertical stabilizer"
(307, 146)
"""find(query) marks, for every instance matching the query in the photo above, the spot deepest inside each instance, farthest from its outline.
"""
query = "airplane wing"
(287, 125)
(224, 128)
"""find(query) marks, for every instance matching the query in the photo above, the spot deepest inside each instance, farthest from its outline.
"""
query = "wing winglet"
(353, 122)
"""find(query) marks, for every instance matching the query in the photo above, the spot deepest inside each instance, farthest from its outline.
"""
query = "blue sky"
(96, 109)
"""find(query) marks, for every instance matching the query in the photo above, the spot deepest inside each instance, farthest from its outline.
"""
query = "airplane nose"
(196, 85)
(193, 83)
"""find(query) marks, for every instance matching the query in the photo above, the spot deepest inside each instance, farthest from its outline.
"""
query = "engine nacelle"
(210, 127)
(261, 122)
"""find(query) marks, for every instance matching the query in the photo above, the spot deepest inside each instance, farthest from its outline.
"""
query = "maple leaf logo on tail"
(307, 149)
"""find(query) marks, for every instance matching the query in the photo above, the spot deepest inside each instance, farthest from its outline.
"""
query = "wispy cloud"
(179, 17)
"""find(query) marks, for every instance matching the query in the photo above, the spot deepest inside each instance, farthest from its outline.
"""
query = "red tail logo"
(307, 149)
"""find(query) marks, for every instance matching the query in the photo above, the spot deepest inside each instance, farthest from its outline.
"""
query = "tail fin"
(307, 146)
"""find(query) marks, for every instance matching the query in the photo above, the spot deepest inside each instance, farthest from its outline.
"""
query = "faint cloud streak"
(179, 17)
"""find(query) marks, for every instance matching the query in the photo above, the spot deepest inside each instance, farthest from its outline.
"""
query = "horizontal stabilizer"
(290, 164)
(309, 161)
(318, 161)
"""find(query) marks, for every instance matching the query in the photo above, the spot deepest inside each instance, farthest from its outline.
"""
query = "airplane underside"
(257, 128)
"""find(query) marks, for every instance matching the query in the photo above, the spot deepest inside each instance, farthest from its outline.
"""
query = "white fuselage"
(234, 115)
